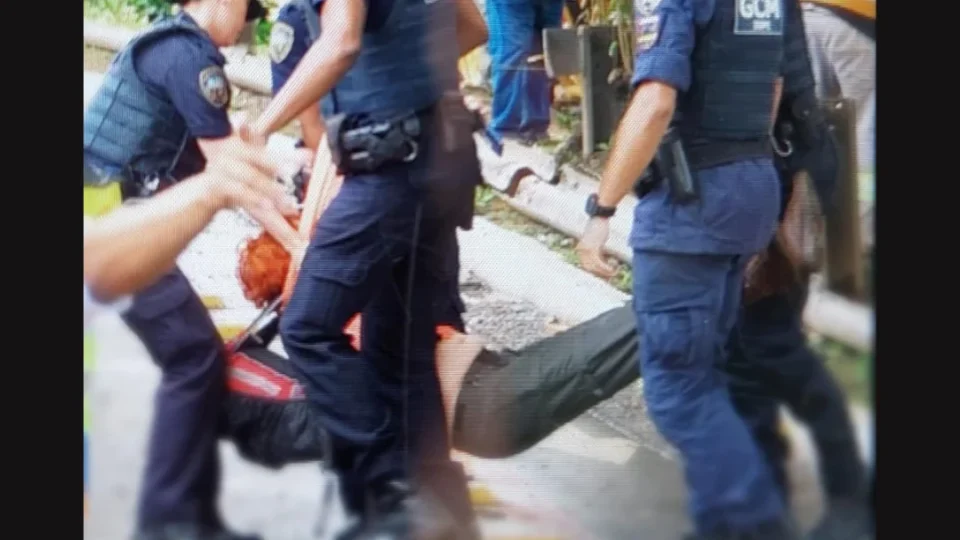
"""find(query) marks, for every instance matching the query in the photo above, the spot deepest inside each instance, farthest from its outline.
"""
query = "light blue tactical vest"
(128, 128)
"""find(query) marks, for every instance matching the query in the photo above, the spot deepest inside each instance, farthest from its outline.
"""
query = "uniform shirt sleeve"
(665, 36)
(176, 65)
(289, 42)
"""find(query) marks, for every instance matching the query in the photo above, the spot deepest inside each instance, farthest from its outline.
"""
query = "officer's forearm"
(324, 186)
(635, 144)
(471, 28)
(328, 59)
(311, 126)
(131, 247)
(314, 78)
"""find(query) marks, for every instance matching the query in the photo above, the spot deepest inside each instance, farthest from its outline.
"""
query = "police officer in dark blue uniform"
(385, 247)
(770, 362)
(707, 75)
(295, 29)
(159, 115)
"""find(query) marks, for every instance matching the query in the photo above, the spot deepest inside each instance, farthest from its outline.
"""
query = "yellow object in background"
(98, 200)
(474, 65)
(567, 89)
(864, 8)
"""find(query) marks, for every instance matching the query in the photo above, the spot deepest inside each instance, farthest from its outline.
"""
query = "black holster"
(671, 164)
(362, 144)
(452, 168)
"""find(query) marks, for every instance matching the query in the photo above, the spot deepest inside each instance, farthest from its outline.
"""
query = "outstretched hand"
(244, 175)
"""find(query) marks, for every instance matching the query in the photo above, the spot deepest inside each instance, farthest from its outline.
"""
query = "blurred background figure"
(841, 35)
(521, 88)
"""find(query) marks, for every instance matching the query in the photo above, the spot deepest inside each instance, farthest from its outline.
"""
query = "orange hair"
(263, 268)
(265, 274)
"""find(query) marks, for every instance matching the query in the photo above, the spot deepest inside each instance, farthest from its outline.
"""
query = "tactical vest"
(405, 63)
(726, 114)
(129, 129)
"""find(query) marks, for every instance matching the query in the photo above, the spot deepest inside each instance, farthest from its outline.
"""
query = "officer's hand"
(243, 175)
(590, 248)
(249, 133)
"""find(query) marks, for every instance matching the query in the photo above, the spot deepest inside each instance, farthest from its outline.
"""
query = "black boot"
(846, 519)
(397, 512)
(187, 531)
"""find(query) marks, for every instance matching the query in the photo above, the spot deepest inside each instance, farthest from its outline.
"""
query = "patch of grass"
(850, 367)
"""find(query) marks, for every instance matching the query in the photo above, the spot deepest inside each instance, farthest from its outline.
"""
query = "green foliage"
(151, 9)
(137, 13)
(482, 199)
(261, 35)
(126, 12)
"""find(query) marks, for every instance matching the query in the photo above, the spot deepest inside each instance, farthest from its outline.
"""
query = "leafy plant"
(140, 12)
(619, 14)
(128, 11)
(151, 10)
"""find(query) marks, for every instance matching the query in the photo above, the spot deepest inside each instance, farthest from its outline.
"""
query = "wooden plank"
(844, 249)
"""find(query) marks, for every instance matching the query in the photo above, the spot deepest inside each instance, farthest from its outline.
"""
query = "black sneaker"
(187, 531)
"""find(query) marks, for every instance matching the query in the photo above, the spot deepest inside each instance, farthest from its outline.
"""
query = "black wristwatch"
(593, 209)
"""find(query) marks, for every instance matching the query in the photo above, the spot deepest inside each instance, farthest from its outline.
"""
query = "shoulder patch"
(759, 18)
(215, 87)
(644, 7)
(281, 41)
(647, 30)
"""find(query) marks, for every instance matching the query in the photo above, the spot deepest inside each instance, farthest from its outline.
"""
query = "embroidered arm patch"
(647, 30)
(215, 87)
(281, 41)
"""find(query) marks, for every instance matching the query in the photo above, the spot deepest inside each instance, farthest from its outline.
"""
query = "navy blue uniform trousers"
(376, 251)
(182, 475)
(771, 364)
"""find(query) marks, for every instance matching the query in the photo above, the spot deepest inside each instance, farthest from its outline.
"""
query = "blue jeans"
(521, 90)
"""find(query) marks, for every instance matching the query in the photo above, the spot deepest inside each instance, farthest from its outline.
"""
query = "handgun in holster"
(359, 144)
(670, 164)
